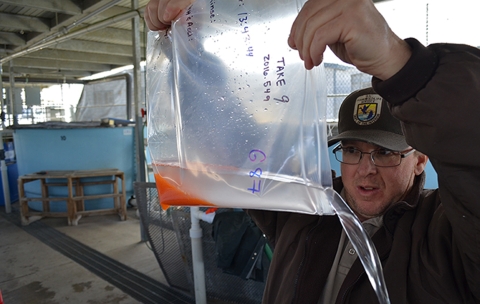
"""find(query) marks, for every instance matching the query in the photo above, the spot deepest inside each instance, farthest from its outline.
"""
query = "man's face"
(369, 189)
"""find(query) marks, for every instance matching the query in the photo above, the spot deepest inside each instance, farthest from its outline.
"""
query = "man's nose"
(366, 165)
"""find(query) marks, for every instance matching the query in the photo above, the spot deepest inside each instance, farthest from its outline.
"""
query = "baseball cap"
(364, 115)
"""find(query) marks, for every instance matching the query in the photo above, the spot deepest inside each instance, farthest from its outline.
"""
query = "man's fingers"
(159, 14)
(174, 8)
(319, 37)
(295, 40)
(153, 24)
(311, 17)
(151, 15)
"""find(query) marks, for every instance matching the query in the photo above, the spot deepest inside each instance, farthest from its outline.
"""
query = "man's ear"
(422, 160)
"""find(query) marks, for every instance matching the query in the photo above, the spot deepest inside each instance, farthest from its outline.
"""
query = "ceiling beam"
(111, 35)
(42, 80)
(95, 47)
(81, 56)
(55, 40)
(59, 6)
(88, 10)
(23, 23)
(35, 72)
(11, 38)
(66, 42)
(60, 65)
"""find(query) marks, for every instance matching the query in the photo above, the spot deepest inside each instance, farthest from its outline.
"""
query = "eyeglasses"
(380, 157)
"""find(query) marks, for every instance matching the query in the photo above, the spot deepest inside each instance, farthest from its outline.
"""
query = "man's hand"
(159, 14)
(354, 30)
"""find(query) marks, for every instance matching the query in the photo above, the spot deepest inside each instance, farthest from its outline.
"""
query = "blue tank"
(75, 147)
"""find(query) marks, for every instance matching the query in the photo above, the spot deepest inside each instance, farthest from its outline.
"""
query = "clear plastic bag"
(234, 118)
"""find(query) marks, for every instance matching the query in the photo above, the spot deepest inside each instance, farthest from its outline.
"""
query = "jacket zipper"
(300, 267)
(349, 288)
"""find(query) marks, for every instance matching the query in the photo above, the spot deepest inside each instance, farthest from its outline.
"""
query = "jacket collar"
(410, 202)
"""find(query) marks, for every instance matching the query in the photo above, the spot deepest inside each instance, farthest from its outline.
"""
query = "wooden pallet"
(75, 181)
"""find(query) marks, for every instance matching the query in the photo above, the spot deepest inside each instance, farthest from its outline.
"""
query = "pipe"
(197, 257)
(137, 95)
(137, 101)
(13, 121)
(90, 28)
(67, 29)
(4, 172)
(1, 100)
(206, 217)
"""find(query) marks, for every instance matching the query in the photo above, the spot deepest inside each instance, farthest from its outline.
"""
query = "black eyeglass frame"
(400, 153)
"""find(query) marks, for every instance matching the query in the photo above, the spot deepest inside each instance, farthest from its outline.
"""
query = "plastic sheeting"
(100, 100)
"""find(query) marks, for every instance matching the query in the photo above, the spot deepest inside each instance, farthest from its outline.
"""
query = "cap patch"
(367, 109)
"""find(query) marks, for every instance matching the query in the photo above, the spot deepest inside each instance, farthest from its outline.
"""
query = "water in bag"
(242, 122)
(236, 121)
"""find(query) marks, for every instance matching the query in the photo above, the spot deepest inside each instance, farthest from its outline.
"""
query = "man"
(378, 166)
(381, 177)
(428, 241)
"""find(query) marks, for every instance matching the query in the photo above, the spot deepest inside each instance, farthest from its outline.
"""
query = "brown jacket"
(429, 245)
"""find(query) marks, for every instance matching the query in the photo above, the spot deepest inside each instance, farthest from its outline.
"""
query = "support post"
(13, 115)
(137, 100)
(196, 234)
(3, 165)
(4, 172)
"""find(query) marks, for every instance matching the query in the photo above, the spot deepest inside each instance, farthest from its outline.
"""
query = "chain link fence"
(168, 234)
(341, 81)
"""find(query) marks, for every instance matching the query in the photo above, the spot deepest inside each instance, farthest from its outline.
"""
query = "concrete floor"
(102, 260)
(32, 272)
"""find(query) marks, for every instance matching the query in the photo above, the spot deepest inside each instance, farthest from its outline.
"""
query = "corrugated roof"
(26, 24)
